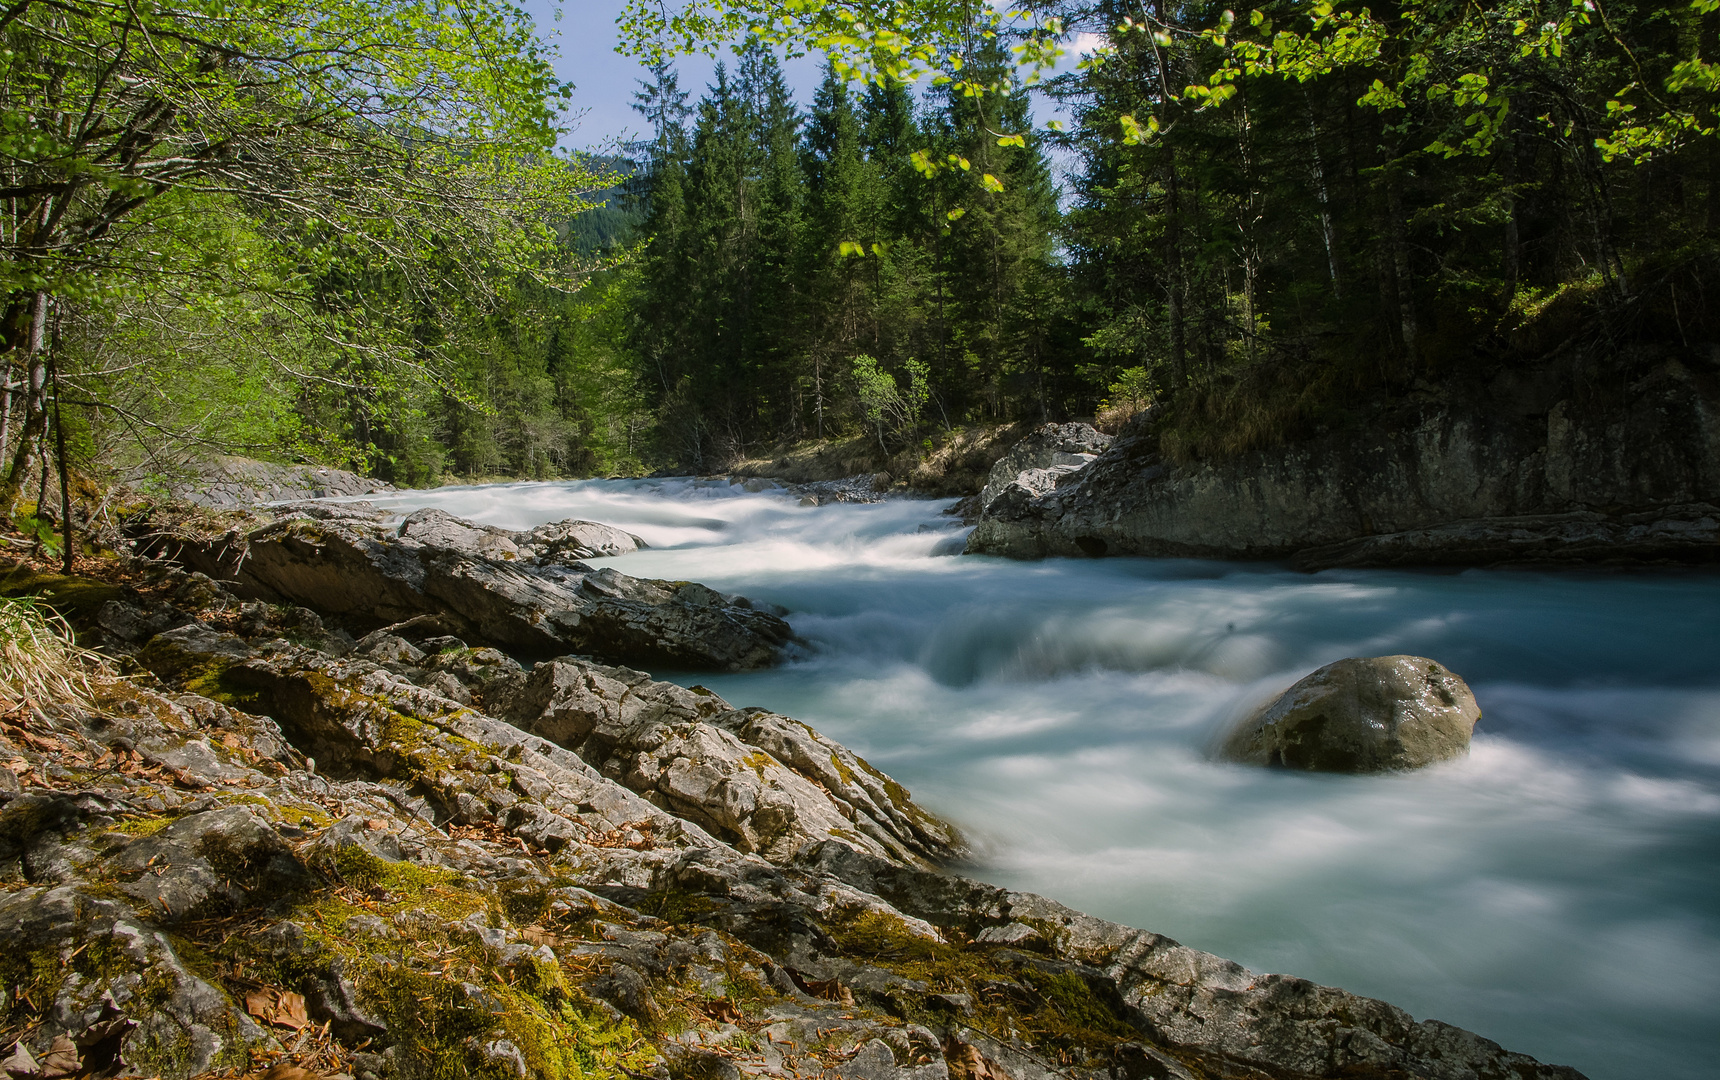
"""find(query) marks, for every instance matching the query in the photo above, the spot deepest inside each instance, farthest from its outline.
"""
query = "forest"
(342, 233)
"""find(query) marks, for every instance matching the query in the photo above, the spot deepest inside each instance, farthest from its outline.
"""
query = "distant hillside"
(615, 223)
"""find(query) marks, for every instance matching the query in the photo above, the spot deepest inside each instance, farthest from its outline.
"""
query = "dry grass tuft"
(40, 664)
(1111, 417)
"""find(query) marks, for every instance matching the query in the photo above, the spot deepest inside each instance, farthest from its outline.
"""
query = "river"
(1558, 890)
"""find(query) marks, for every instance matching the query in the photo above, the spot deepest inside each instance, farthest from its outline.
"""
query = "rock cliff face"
(420, 860)
(1547, 467)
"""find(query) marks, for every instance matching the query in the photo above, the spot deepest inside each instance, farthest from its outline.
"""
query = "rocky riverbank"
(1556, 466)
(954, 464)
(289, 836)
(525, 591)
(237, 482)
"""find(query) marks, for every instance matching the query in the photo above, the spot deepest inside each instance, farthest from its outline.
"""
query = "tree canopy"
(325, 175)
(343, 231)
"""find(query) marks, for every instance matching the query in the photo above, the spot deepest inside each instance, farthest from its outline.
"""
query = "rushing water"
(1556, 890)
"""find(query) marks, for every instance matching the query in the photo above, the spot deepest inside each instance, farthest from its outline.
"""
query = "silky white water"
(1555, 891)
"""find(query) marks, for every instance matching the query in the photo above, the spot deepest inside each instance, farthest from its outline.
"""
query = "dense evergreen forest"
(802, 279)
(1265, 221)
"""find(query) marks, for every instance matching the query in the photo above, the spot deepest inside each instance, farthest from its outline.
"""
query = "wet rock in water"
(575, 539)
(1025, 487)
(1362, 715)
(481, 583)
(1010, 526)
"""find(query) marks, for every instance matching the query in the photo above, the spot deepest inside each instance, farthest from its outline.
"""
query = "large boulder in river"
(1058, 449)
(1362, 715)
(519, 591)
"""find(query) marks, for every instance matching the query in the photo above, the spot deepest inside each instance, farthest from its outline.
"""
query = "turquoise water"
(1556, 890)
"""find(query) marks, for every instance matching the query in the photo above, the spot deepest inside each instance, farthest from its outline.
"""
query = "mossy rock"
(75, 598)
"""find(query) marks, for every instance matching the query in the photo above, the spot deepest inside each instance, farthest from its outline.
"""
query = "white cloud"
(1086, 43)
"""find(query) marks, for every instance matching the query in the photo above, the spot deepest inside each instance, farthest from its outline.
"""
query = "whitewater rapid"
(1555, 890)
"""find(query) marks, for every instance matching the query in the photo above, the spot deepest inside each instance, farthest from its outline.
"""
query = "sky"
(604, 80)
(584, 33)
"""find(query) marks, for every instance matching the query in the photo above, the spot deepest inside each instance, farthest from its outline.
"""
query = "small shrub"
(1130, 394)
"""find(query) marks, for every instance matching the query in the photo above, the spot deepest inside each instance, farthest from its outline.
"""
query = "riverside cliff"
(1557, 464)
(407, 855)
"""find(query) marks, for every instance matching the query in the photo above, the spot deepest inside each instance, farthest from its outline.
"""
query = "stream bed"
(1558, 890)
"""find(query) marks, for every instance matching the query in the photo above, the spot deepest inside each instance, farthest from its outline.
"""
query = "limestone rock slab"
(491, 589)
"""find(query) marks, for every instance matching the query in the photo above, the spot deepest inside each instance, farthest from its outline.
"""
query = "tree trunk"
(1174, 270)
(1513, 235)
(42, 456)
(1328, 231)
(6, 408)
(1404, 281)
(35, 414)
(65, 480)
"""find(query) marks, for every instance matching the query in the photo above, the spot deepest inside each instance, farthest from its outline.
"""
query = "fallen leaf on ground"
(827, 989)
(282, 1008)
(101, 1044)
(19, 1063)
(61, 1058)
(965, 1062)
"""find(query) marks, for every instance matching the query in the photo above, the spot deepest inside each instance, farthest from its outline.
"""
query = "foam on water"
(1555, 890)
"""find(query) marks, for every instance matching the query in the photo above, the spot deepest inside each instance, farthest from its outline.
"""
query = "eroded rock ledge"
(526, 592)
(420, 859)
(1553, 467)
(238, 481)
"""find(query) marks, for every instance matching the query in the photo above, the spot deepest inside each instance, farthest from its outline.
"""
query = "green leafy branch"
(1418, 45)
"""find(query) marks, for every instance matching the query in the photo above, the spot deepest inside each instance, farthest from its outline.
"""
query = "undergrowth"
(39, 662)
